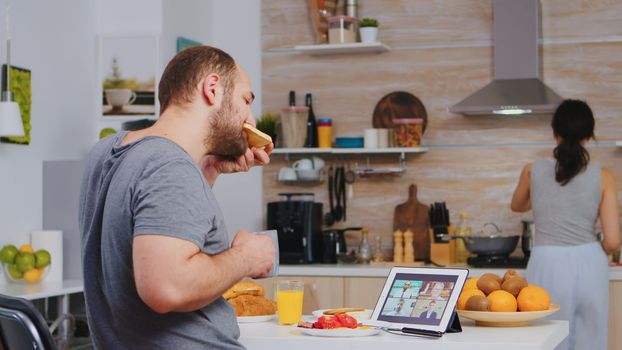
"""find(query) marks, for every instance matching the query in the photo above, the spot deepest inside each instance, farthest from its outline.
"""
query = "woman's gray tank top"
(564, 215)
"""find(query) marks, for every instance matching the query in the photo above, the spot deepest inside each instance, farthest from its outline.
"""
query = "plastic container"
(350, 142)
(407, 132)
(325, 132)
(294, 126)
(341, 29)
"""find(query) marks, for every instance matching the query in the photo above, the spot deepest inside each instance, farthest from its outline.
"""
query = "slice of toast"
(342, 310)
(255, 137)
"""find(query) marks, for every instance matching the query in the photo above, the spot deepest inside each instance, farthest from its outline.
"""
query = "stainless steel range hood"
(516, 88)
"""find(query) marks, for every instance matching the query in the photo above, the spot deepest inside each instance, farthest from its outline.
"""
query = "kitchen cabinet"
(319, 292)
(615, 311)
(362, 291)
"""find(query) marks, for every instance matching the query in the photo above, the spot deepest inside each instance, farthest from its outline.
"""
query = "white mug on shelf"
(118, 98)
(371, 138)
(383, 138)
(303, 164)
(287, 174)
(318, 163)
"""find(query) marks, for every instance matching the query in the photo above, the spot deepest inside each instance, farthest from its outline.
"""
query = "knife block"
(443, 253)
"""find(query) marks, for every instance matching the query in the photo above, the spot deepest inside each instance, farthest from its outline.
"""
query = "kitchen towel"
(52, 241)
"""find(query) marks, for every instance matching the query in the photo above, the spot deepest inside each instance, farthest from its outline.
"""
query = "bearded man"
(155, 252)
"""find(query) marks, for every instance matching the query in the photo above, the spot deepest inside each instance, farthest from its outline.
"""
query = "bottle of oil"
(364, 255)
(311, 140)
(463, 229)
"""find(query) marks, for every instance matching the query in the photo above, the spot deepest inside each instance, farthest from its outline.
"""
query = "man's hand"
(257, 251)
(212, 166)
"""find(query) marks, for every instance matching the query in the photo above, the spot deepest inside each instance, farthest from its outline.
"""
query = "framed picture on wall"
(20, 88)
(128, 70)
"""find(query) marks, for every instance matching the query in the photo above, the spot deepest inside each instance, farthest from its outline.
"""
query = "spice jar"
(341, 29)
(325, 132)
(408, 132)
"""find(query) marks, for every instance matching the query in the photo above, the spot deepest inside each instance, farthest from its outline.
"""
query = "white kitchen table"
(44, 290)
(540, 335)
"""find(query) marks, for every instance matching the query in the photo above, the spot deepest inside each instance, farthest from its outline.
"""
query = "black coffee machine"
(298, 220)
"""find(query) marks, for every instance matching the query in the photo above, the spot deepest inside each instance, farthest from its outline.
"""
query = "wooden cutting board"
(413, 215)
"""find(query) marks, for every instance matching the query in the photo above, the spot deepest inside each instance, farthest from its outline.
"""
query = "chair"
(22, 326)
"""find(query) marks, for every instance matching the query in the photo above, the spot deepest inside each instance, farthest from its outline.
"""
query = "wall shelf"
(353, 151)
(333, 49)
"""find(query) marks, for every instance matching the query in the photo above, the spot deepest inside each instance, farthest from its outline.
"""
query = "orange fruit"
(471, 283)
(502, 301)
(465, 295)
(26, 248)
(33, 275)
(533, 298)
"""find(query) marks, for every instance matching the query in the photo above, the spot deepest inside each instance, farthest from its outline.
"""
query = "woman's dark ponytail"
(573, 123)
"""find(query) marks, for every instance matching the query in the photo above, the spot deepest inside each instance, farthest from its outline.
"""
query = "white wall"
(236, 28)
(56, 41)
(188, 19)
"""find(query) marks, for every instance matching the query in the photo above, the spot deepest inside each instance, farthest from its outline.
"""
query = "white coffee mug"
(287, 174)
(273, 234)
(318, 163)
(303, 164)
(120, 97)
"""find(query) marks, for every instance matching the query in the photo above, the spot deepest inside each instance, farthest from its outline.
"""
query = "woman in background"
(568, 195)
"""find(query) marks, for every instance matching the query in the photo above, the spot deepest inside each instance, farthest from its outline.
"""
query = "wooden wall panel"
(474, 162)
(432, 22)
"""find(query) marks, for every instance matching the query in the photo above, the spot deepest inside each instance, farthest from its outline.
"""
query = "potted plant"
(267, 124)
(368, 27)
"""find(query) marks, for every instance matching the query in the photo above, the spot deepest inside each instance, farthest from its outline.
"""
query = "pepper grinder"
(398, 246)
(409, 248)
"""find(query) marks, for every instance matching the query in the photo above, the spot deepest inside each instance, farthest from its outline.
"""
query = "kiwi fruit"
(492, 275)
(514, 285)
(477, 303)
(509, 274)
(488, 284)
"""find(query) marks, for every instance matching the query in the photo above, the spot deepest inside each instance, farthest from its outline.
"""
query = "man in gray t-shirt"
(155, 250)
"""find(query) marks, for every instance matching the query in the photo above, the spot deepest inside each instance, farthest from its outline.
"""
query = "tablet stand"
(454, 324)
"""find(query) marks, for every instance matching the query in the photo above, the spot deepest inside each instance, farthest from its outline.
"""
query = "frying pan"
(493, 244)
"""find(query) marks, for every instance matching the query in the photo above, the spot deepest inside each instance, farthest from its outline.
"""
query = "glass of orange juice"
(289, 301)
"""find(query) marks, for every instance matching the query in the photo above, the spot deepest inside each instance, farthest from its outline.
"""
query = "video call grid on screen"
(417, 298)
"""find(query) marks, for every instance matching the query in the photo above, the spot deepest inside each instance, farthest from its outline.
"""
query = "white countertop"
(355, 270)
(541, 335)
(42, 290)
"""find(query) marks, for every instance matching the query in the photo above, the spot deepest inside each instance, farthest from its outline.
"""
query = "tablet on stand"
(420, 301)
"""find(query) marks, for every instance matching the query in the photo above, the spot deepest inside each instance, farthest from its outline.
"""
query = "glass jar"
(294, 126)
(407, 132)
(325, 132)
(341, 29)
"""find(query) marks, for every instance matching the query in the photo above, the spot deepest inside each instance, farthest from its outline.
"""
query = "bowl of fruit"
(25, 265)
(509, 301)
